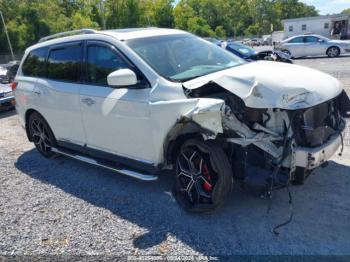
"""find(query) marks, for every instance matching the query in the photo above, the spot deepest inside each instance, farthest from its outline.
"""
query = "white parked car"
(313, 45)
(139, 101)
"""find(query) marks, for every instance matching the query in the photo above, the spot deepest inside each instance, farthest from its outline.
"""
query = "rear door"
(58, 92)
(116, 120)
(296, 46)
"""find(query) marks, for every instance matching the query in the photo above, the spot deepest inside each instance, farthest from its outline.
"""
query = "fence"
(6, 57)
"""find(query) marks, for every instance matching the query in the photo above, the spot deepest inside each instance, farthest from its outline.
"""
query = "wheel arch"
(177, 136)
(27, 115)
(332, 47)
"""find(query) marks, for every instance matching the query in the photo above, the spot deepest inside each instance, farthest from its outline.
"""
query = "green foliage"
(237, 17)
(29, 20)
(346, 11)
(220, 31)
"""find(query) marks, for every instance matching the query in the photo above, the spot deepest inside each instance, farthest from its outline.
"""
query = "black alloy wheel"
(41, 135)
(203, 176)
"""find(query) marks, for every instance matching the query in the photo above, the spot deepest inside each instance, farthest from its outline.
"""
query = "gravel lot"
(61, 206)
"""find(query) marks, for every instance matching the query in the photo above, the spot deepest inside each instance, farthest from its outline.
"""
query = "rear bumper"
(311, 158)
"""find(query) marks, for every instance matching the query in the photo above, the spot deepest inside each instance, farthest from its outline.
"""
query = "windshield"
(183, 57)
(324, 38)
(243, 49)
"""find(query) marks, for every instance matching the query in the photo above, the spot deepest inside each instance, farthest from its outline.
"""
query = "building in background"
(331, 26)
(277, 36)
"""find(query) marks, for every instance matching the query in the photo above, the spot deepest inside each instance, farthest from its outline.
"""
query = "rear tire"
(204, 176)
(333, 51)
(41, 134)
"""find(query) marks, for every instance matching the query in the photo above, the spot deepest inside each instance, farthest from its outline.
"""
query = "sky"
(329, 6)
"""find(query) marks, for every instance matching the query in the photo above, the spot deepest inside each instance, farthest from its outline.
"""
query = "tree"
(122, 13)
(346, 11)
(158, 13)
(28, 21)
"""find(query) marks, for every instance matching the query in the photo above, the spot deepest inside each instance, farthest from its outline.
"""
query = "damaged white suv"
(139, 101)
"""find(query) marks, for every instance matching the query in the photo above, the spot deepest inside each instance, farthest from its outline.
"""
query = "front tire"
(203, 176)
(333, 51)
(41, 134)
(287, 52)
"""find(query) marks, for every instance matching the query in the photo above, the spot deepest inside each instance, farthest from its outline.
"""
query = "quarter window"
(101, 61)
(290, 28)
(303, 27)
(34, 65)
(64, 63)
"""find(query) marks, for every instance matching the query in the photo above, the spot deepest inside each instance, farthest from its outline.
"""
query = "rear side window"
(311, 39)
(101, 61)
(34, 65)
(64, 63)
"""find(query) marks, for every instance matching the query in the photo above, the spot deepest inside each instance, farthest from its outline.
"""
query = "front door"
(315, 46)
(116, 120)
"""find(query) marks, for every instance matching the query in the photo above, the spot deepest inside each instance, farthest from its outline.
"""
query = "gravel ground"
(61, 206)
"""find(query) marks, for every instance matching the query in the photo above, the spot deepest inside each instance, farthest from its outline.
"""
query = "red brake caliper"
(205, 171)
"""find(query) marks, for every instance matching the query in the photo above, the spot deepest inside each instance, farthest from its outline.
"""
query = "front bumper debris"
(311, 158)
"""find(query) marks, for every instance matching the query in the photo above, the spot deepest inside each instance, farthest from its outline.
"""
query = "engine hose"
(342, 143)
(267, 120)
(288, 182)
(274, 230)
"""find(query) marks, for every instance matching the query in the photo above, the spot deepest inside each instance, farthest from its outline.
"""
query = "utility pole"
(7, 36)
(102, 13)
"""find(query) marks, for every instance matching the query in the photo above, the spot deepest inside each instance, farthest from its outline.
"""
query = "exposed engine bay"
(268, 148)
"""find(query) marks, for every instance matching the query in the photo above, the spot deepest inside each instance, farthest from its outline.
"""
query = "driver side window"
(101, 61)
(297, 40)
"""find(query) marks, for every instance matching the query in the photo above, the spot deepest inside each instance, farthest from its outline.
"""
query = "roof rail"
(68, 33)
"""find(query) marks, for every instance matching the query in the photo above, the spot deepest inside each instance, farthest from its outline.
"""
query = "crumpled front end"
(269, 147)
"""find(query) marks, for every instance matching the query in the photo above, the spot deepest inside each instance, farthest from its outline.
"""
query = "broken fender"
(207, 114)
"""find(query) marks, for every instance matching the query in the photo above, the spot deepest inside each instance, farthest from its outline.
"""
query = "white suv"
(139, 101)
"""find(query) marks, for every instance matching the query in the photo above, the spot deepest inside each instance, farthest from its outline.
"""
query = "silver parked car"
(313, 45)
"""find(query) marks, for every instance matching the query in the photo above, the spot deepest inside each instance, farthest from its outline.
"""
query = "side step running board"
(91, 161)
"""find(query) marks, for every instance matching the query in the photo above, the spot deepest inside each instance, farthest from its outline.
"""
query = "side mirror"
(122, 77)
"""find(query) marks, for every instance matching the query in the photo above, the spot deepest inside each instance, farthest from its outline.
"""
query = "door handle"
(88, 101)
(36, 91)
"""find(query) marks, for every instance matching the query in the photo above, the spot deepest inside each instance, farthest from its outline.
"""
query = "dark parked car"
(8, 72)
(251, 54)
(12, 71)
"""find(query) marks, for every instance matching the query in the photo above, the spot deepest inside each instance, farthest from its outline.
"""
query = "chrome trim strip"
(123, 171)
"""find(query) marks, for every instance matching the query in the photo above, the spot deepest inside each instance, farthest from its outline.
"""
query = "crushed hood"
(267, 84)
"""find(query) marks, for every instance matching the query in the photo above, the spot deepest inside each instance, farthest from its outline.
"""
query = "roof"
(119, 34)
(315, 17)
(133, 33)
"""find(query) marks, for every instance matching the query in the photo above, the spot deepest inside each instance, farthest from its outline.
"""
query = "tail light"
(14, 85)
